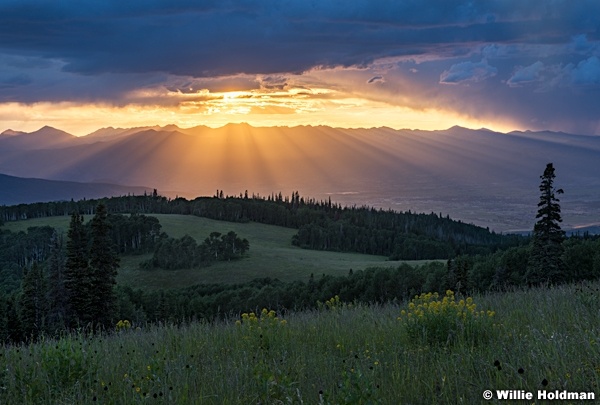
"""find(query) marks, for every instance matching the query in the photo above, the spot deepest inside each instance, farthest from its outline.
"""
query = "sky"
(504, 65)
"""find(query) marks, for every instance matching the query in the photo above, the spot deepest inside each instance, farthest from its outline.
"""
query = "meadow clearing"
(271, 254)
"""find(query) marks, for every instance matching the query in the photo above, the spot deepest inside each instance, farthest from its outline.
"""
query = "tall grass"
(340, 354)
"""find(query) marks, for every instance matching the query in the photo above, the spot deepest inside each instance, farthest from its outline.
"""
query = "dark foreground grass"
(540, 339)
(271, 255)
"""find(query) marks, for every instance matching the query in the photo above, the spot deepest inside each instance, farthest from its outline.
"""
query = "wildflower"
(436, 320)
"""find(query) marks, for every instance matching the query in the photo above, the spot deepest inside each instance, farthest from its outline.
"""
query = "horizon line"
(244, 123)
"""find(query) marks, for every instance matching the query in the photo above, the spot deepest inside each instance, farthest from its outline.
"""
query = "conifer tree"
(104, 263)
(57, 293)
(545, 263)
(13, 321)
(33, 304)
(4, 332)
(78, 280)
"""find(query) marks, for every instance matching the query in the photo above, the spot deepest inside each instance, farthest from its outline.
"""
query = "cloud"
(14, 81)
(581, 44)
(267, 36)
(587, 72)
(272, 82)
(163, 52)
(525, 75)
(465, 72)
(376, 79)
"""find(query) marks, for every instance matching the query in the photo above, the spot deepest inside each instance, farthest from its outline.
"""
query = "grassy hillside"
(539, 339)
(271, 255)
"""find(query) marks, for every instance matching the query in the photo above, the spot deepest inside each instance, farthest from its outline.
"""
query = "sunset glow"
(398, 64)
(259, 107)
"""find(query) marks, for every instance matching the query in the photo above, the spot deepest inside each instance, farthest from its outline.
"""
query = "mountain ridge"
(45, 137)
(173, 127)
(19, 190)
(479, 176)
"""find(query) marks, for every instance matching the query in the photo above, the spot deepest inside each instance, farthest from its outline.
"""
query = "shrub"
(446, 321)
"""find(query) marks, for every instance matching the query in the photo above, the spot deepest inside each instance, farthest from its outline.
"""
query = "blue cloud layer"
(88, 50)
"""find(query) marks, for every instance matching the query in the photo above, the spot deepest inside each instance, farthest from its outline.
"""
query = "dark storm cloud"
(262, 36)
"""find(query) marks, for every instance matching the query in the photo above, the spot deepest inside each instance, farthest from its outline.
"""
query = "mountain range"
(479, 176)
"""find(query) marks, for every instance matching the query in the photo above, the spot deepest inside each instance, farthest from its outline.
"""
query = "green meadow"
(271, 255)
(537, 339)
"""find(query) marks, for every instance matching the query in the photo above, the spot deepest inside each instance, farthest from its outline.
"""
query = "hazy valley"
(479, 176)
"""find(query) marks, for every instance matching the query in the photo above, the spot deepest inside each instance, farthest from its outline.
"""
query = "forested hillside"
(321, 225)
(31, 261)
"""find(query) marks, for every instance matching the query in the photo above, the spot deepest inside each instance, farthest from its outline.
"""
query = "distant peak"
(456, 129)
(10, 132)
(51, 131)
(237, 124)
(47, 128)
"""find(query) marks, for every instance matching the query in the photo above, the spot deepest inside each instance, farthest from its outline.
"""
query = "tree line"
(321, 225)
(73, 288)
(464, 274)
(66, 285)
(130, 234)
(185, 253)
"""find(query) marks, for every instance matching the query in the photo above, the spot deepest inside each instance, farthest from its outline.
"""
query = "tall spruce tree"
(545, 263)
(104, 263)
(57, 293)
(78, 281)
(33, 304)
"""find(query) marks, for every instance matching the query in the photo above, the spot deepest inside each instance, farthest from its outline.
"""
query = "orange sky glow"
(257, 107)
